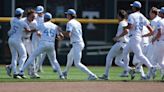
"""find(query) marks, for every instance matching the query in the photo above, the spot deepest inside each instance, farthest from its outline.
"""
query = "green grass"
(74, 75)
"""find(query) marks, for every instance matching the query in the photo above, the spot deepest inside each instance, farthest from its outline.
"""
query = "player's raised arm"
(147, 24)
(150, 31)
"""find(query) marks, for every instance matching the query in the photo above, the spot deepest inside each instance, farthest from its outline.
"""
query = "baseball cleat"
(65, 75)
(132, 73)
(22, 76)
(61, 77)
(8, 70)
(103, 77)
(124, 74)
(143, 78)
(16, 76)
(35, 76)
(92, 77)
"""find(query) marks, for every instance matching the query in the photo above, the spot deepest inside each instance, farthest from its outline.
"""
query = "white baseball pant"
(135, 47)
(159, 55)
(17, 48)
(115, 51)
(47, 47)
(75, 56)
(35, 42)
(29, 48)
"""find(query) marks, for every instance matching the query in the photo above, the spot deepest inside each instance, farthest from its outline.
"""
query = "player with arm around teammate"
(74, 32)
(49, 31)
(117, 48)
(30, 20)
(15, 42)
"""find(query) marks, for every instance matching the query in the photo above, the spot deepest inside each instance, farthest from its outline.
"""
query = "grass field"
(74, 75)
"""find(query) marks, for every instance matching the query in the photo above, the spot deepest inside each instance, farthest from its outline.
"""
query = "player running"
(117, 48)
(74, 32)
(136, 21)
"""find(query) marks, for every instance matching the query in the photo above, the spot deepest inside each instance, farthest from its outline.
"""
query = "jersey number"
(141, 24)
(49, 32)
(15, 28)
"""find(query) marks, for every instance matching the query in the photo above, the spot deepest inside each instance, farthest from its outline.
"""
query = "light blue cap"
(39, 9)
(71, 12)
(19, 11)
(48, 15)
(162, 10)
(136, 4)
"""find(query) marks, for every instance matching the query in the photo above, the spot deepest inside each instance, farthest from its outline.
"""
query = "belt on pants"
(122, 41)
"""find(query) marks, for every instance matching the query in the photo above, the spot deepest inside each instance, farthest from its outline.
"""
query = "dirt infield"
(82, 87)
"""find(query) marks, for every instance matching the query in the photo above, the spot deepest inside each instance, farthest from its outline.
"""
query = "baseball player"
(148, 48)
(74, 32)
(136, 21)
(30, 20)
(16, 45)
(159, 38)
(35, 40)
(117, 48)
(144, 46)
(48, 34)
(154, 20)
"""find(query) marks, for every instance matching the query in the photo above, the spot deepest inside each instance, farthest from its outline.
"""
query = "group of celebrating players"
(35, 34)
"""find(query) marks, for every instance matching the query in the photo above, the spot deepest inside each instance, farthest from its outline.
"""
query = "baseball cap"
(162, 10)
(19, 11)
(71, 12)
(48, 15)
(136, 4)
(39, 9)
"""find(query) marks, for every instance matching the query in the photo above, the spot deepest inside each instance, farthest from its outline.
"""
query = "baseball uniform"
(16, 45)
(117, 48)
(77, 42)
(137, 20)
